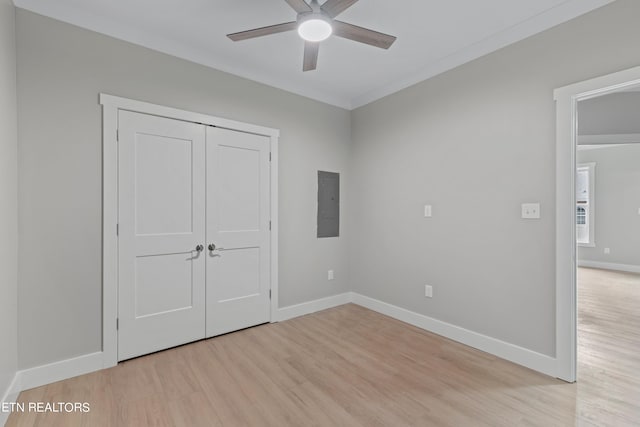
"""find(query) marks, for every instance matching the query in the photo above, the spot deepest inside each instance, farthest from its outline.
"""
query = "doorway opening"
(570, 214)
(608, 239)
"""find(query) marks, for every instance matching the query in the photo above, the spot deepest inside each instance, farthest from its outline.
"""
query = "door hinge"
(118, 135)
(269, 155)
(117, 229)
(269, 293)
(269, 225)
(117, 324)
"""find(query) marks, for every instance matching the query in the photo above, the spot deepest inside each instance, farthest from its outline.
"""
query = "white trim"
(110, 107)
(50, 373)
(565, 11)
(597, 146)
(275, 227)
(109, 236)
(10, 396)
(550, 18)
(586, 245)
(58, 371)
(630, 268)
(286, 313)
(621, 138)
(566, 137)
(176, 48)
(188, 116)
(516, 354)
(522, 356)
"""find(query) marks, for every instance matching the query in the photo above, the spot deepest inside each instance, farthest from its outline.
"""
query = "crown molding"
(545, 20)
(534, 25)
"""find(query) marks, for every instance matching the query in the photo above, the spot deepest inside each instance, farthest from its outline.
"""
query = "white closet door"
(161, 298)
(238, 282)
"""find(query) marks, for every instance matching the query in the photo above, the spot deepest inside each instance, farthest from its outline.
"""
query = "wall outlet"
(427, 211)
(531, 210)
(607, 251)
(428, 291)
(330, 275)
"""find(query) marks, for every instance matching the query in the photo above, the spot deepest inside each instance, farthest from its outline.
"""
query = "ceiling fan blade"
(263, 31)
(362, 35)
(310, 56)
(335, 7)
(299, 6)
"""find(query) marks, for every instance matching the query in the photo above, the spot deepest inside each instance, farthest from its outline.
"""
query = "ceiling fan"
(316, 23)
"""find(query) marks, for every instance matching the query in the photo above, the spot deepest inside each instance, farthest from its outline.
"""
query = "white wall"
(617, 201)
(61, 70)
(8, 199)
(475, 142)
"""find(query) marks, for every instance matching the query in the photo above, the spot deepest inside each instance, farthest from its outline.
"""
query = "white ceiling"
(433, 36)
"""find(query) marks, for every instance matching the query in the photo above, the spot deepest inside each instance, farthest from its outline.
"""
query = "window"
(585, 176)
(581, 216)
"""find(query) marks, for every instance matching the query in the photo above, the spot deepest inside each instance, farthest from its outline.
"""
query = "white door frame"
(110, 106)
(566, 264)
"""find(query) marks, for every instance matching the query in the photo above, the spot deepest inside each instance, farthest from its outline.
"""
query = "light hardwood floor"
(349, 366)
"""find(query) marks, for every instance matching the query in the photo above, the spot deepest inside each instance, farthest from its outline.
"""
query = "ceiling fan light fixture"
(315, 29)
(316, 23)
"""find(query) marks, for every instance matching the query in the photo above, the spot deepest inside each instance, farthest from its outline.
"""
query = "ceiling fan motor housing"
(319, 14)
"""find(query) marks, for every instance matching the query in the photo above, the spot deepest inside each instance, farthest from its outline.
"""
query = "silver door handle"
(199, 248)
(213, 247)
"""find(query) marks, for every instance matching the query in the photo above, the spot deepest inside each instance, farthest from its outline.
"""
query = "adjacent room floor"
(350, 366)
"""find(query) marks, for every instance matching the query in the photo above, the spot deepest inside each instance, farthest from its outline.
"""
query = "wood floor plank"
(350, 366)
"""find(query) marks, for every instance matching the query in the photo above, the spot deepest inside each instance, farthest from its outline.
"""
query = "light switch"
(428, 291)
(427, 211)
(531, 210)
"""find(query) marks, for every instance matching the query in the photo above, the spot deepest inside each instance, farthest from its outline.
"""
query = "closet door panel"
(161, 293)
(237, 230)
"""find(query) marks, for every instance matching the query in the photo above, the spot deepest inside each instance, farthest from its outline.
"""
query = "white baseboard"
(10, 396)
(630, 268)
(522, 356)
(47, 374)
(58, 371)
(286, 313)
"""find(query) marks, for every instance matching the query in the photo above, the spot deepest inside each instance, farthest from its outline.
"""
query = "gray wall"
(61, 70)
(610, 114)
(475, 142)
(617, 200)
(8, 198)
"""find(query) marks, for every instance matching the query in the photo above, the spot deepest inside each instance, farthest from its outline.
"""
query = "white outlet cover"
(427, 211)
(330, 275)
(607, 250)
(531, 210)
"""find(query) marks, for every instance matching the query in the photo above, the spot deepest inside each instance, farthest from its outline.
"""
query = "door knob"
(212, 247)
(199, 248)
